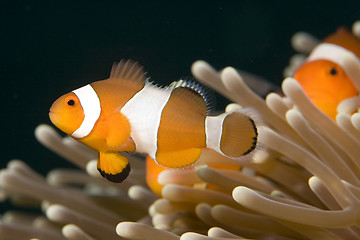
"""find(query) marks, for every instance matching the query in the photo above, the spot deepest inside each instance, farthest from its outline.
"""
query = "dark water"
(49, 48)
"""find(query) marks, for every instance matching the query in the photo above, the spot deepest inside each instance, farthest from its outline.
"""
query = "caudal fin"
(233, 134)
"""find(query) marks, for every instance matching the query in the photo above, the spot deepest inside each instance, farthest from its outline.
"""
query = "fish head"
(66, 113)
(326, 84)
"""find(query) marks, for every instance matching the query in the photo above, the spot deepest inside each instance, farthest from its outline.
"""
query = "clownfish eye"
(71, 102)
(333, 71)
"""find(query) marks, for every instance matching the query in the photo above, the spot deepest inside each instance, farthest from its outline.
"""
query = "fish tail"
(232, 134)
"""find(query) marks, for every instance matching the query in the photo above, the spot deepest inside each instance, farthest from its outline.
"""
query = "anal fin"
(113, 166)
(178, 159)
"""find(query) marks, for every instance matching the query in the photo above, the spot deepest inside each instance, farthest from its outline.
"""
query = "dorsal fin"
(346, 39)
(129, 70)
(200, 89)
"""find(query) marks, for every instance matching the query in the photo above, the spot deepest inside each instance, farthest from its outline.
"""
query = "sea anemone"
(302, 182)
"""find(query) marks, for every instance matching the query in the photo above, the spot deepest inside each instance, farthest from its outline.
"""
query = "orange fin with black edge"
(113, 166)
(232, 134)
(178, 159)
(239, 135)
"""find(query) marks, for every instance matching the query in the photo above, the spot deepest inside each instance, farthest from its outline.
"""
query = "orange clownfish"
(127, 113)
(325, 77)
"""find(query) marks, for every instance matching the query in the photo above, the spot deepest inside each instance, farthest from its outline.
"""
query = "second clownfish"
(325, 77)
(126, 113)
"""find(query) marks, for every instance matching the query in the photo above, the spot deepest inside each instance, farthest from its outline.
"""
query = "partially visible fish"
(325, 77)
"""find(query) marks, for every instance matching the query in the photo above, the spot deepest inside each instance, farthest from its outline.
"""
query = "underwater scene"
(188, 121)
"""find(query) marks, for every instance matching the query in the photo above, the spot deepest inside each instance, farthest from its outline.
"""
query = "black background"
(49, 48)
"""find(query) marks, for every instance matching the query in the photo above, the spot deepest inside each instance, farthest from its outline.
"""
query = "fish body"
(325, 76)
(127, 113)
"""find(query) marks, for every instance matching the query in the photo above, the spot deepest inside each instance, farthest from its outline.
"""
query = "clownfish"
(127, 113)
(325, 77)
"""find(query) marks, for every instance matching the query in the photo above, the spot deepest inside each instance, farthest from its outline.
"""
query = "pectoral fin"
(113, 166)
(178, 159)
(118, 137)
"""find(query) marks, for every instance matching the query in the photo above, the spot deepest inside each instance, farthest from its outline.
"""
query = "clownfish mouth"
(51, 114)
(53, 118)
